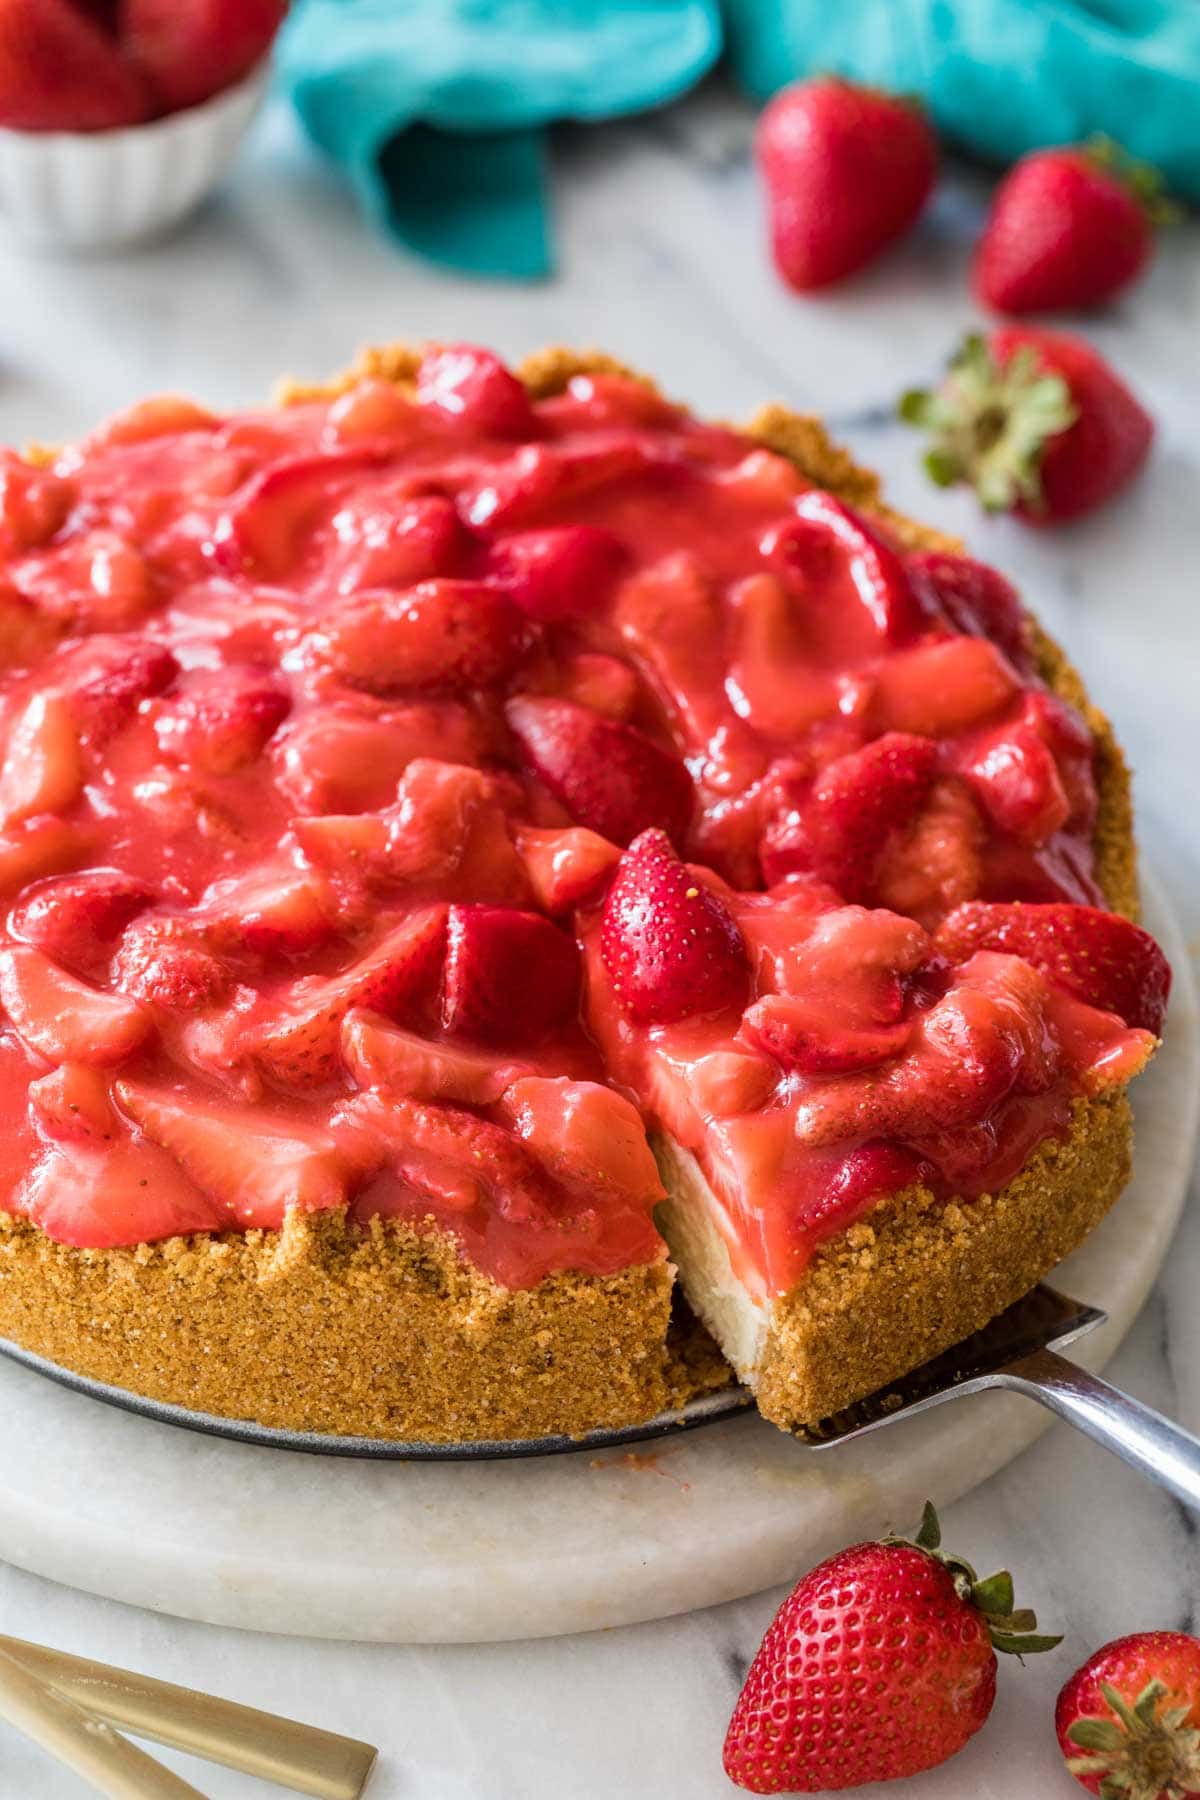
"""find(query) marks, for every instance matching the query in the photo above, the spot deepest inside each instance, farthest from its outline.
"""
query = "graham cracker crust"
(384, 1331)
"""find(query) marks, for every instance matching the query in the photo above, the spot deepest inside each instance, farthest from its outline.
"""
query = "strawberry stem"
(1145, 1751)
(1142, 179)
(1013, 1631)
(990, 425)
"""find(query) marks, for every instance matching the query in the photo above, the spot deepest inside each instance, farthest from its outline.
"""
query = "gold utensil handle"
(301, 1757)
(86, 1745)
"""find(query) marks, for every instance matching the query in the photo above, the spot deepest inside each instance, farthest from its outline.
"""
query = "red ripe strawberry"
(63, 1019)
(978, 600)
(847, 171)
(1036, 422)
(880, 1663)
(1067, 228)
(299, 1043)
(472, 387)
(1128, 1721)
(76, 919)
(610, 777)
(106, 678)
(826, 538)
(60, 71)
(191, 49)
(439, 634)
(841, 831)
(510, 976)
(563, 572)
(670, 945)
(219, 720)
(1099, 956)
(265, 528)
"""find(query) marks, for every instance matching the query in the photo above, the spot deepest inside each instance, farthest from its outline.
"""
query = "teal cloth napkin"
(1001, 76)
(437, 108)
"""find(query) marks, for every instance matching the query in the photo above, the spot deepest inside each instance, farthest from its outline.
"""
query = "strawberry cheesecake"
(482, 848)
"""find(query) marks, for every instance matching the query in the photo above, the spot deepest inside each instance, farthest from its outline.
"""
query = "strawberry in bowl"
(115, 122)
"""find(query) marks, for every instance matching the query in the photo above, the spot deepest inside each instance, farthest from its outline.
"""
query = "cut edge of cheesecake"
(385, 1331)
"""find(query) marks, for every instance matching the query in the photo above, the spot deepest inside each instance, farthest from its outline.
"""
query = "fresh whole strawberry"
(191, 49)
(1101, 957)
(1036, 422)
(1068, 228)
(60, 71)
(880, 1663)
(1128, 1721)
(670, 945)
(847, 171)
(610, 777)
(510, 976)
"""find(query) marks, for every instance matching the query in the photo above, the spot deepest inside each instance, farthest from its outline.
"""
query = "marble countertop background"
(661, 263)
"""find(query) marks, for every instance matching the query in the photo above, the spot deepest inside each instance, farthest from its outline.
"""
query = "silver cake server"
(1020, 1350)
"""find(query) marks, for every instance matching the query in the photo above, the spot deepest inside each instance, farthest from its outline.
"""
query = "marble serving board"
(263, 1538)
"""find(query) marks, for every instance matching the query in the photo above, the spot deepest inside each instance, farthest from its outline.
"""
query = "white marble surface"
(661, 262)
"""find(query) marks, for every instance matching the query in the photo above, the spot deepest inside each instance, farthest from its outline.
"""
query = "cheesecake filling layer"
(323, 730)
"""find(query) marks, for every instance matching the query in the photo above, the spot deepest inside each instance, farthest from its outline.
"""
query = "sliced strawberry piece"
(38, 847)
(298, 1042)
(265, 530)
(97, 1197)
(274, 909)
(939, 689)
(562, 572)
(59, 71)
(63, 1019)
(191, 49)
(221, 720)
(373, 408)
(978, 600)
(255, 1165)
(43, 770)
(470, 387)
(823, 538)
(340, 759)
(76, 919)
(590, 1138)
(162, 960)
(798, 1035)
(841, 831)
(771, 675)
(464, 1164)
(564, 867)
(74, 1103)
(439, 634)
(938, 862)
(1099, 956)
(670, 945)
(510, 977)
(611, 778)
(106, 679)
(34, 503)
(389, 541)
(379, 1054)
(26, 630)
(447, 833)
(516, 491)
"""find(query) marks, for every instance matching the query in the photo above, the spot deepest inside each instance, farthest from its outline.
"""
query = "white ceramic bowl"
(95, 190)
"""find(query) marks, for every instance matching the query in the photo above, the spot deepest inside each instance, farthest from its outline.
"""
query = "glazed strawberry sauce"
(324, 729)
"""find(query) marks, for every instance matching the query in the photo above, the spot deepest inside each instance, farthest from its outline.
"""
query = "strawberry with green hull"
(1068, 229)
(1128, 1721)
(1036, 422)
(880, 1663)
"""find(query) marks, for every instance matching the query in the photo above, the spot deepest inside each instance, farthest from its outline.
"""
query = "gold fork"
(70, 1704)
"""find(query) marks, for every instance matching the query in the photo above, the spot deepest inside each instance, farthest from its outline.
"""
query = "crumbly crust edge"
(386, 1331)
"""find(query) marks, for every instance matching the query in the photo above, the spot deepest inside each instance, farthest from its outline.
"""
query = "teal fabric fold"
(436, 109)
(1001, 77)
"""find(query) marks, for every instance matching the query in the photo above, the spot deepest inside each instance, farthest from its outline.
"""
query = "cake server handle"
(1146, 1440)
(89, 1746)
